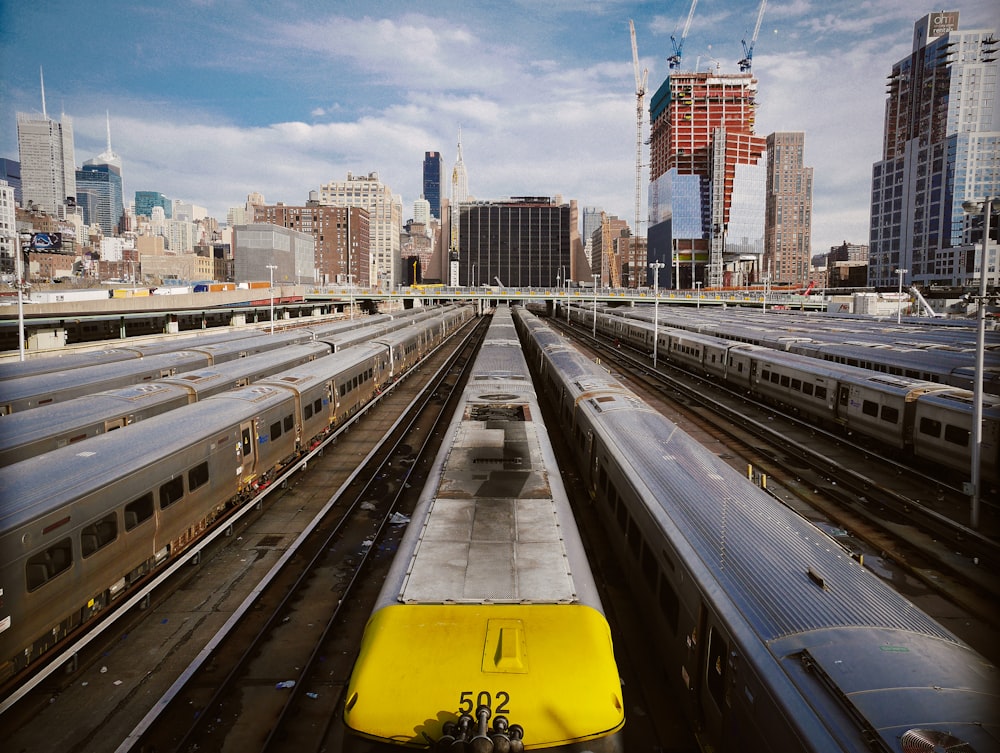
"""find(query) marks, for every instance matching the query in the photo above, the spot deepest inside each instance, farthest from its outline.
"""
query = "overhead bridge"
(52, 325)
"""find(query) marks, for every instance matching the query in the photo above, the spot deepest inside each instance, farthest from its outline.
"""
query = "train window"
(775, 377)
(821, 393)
(602, 478)
(98, 535)
(48, 564)
(288, 423)
(869, 408)
(930, 427)
(621, 514)
(171, 491)
(715, 672)
(785, 380)
(138, 510)
(890, 414)
(807, 388)
(670, 605)
(632, 537)
(956, 435)
(308, 411)
(343, 390)
(797, 385)
(318, 405)
(649, 567)
(198, 476)
(275, 431)
(765, 376)
(247, 446)
(845, 394)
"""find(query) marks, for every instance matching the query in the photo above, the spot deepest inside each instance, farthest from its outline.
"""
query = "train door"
(712, 679)
(245, 453)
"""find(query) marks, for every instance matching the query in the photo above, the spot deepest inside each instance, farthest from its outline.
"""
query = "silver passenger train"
(773, 637)
(36, 383)
(489, 633)
(925, 420)
(937, 353)
(24, 434)
(82, 524)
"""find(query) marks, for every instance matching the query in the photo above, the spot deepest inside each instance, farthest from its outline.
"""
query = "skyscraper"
(788, 219)
(385, 221)
(99, 189)
(48, 169)
(707, 178)
(941, 147)
(459, 180)
(433, 168)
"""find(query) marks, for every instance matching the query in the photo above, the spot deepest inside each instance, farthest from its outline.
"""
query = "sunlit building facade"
(385, 214)
(707, 180)
(788, 221)
(48, 168)
(941, 148)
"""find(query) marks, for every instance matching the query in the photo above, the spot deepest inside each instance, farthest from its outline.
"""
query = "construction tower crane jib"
(747, 62)
(640, 94)
(675, 60)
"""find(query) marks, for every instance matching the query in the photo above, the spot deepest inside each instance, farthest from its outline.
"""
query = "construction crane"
(640, 95)
(675, 59)
(747, 61)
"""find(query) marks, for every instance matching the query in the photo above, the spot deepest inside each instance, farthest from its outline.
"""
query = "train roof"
(44, 483)
(23, 427)
(206, 380)
(494, 525)
(779, 569)
(42, 384)
(45, 364)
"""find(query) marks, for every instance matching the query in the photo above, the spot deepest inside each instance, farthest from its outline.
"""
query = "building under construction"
(707, 180)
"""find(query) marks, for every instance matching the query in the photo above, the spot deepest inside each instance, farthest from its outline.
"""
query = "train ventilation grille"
(932, 741)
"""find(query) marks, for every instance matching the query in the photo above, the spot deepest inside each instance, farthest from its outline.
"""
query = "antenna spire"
(41, 76)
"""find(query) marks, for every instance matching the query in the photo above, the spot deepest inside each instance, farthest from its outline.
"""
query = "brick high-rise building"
(341, 235)
(941, 148)
(788, 218)
(385, 221)
(707, 179)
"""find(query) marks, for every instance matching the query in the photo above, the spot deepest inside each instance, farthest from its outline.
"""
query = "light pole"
(596, 278)
(656, 266)
(986, 208)
(271, 268)
(20, 247)
(697, 287)
(899, 303)
(473, 281)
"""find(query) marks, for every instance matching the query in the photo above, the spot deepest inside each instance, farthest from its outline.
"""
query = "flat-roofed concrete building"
(258, 246)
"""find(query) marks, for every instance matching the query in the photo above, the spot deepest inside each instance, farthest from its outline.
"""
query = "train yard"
(244, 650)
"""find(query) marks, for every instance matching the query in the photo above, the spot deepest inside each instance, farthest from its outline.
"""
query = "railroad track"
(283, 656)
(857, 487)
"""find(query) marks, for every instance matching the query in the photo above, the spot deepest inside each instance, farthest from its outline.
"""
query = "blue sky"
(212, 99)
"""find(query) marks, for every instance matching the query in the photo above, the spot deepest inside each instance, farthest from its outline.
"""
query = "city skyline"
(211, 100)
